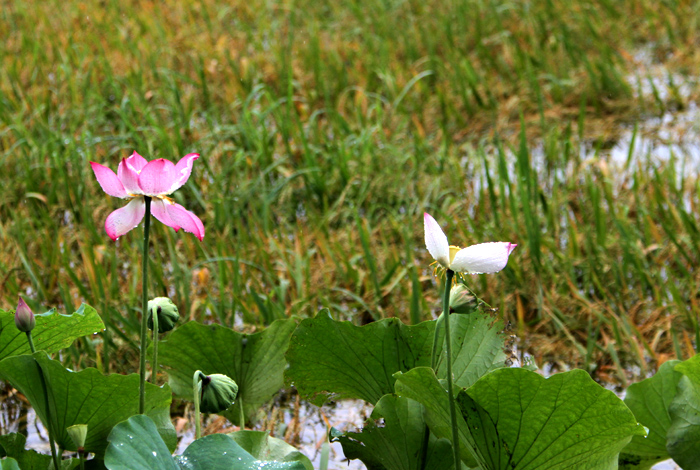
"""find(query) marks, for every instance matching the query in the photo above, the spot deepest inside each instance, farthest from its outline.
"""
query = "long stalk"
(49, 425)
(144, 310)
(154, 365)
(196, 392)
(241, 416)
(448, 354)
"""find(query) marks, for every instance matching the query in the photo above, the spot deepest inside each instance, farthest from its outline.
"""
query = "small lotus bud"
(218, 393)
(78, 433)
(461, 300)
(166, 311)
(24, 317)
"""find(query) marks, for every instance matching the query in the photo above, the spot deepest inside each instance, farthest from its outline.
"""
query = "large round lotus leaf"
(255, 362)
(135, 445)
(262, 446)
(649, 401)
(421, 384)
(328, 358)
(85, 397)
(12, 448)
(392, 439)
(521, 421)
(683, 437)
(52, 332)
(9, 464)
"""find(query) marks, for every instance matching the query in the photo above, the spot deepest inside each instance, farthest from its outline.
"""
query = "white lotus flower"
(484, 258)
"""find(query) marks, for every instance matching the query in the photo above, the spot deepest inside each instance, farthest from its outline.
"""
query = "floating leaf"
(393, 437)
(260, 445)
(341, 360)
(255, 362)
(52, 332)
(135, 445)
(522, 421)
(683, 436)
(649, 401)
(85, 397)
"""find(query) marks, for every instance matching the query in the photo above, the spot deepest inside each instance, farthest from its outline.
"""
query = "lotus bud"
(78, 433)
(166, 311)
(461, 300)
(218, 393)
(24, 317)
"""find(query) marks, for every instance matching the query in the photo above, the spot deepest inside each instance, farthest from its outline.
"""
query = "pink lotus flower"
(484, 258)
(137, 177)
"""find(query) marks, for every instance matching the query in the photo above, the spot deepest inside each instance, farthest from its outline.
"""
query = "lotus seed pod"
(218, 393)
(78, 433)
(166, 311)
(461, 300)
(24, 317)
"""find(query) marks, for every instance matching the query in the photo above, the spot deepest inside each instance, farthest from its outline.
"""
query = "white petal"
(483, 258)
(436, 241)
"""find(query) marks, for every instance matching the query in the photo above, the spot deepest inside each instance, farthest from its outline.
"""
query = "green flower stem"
(154, 366)
(31, 342)
(424, 448)
(436, 339)
(49, 425)
(448, 354)
(144, 310)
(196, 391)
(241, 417)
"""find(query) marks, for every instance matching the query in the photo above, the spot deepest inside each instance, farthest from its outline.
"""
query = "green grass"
(325, 131)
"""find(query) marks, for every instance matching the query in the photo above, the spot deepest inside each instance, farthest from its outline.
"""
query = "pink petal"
(483, 258)
(157, 177)
(160, 212)
(108, 181)
(122, 220)
(129, 177)
(183, 170)
(436, 241)
(186, 220)
(137, 162)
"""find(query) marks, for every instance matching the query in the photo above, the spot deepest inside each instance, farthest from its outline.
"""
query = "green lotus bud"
(461, 300)
(218, 393)
(78, 433)
(24, 317)
(166, 311)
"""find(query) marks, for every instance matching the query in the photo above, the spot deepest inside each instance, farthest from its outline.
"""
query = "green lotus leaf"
(10, 464)
(521, 421)
(477, 348)
(12, 447)
(255, 362)
(683, 436)
(649, 401)
(262, 446)
(421, 385)
(328, 358)
(392, 439)
(53, 331)
(136, 445)
(85, 397)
